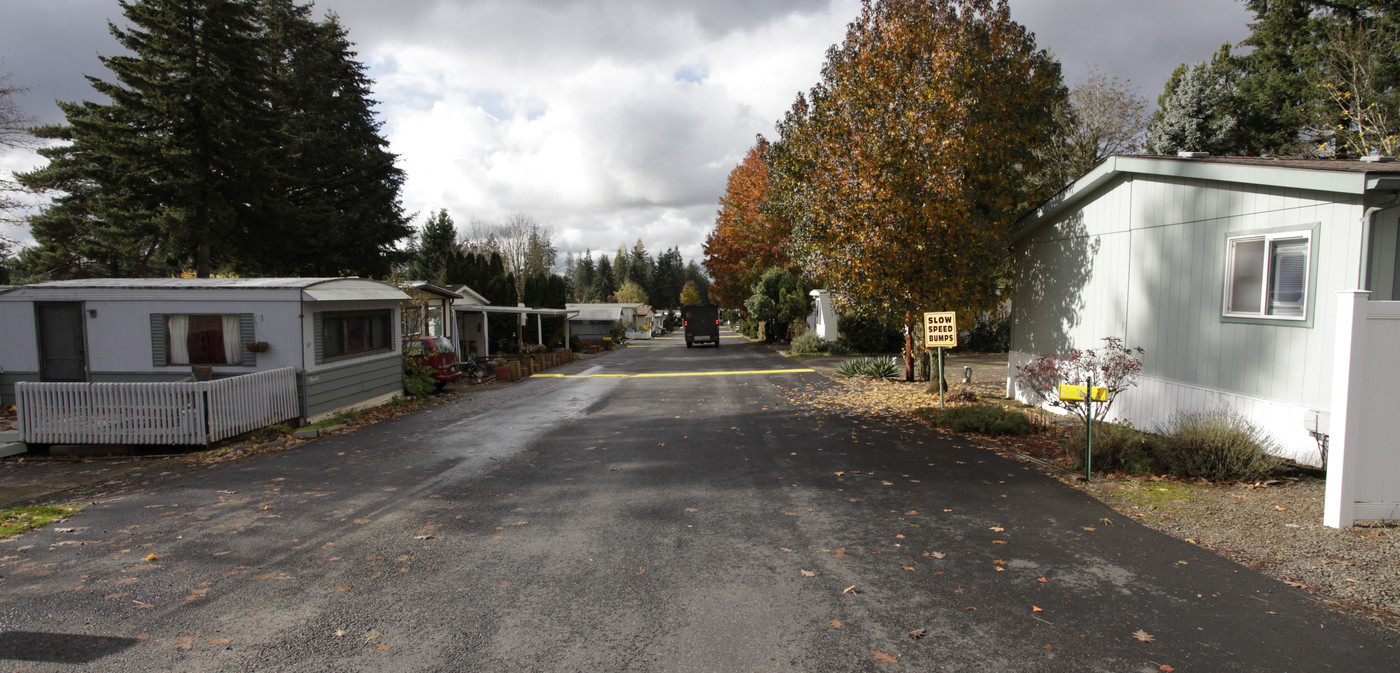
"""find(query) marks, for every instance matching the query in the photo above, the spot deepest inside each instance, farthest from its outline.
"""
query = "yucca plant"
(873, 368)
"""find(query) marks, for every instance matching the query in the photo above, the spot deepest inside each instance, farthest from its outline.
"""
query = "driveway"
(661, 509)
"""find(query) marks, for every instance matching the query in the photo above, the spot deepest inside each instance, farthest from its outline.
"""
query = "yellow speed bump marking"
(668, 374)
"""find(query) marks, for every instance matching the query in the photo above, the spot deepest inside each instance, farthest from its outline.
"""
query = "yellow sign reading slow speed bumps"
(941, 330)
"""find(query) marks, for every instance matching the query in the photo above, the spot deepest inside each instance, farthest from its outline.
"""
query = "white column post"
(1349, 349)
(485, 333)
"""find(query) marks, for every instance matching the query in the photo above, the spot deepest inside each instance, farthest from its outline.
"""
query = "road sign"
(941, 330)
(1076, 393)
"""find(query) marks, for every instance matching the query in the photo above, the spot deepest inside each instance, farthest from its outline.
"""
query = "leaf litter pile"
(1353, 570)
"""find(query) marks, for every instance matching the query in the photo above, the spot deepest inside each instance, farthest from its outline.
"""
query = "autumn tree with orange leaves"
(903, 170)
(746, 241)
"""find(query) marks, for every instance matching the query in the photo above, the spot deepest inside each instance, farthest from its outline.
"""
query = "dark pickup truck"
(701, 324)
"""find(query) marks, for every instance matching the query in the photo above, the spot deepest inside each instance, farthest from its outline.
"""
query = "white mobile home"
(340, 334)
(1228, 271)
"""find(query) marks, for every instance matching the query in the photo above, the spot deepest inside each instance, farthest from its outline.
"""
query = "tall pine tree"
(238, 136)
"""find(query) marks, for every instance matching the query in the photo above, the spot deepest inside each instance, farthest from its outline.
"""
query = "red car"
(436, 353)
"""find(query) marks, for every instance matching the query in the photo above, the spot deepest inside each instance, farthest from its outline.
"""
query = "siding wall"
(332, 388)
(1156, 250)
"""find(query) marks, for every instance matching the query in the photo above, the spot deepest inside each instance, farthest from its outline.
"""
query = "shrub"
(618, 332)
(808, 343)
(418, 381)
(575, 344)
(990, 334)
(1115, 367)
(986, 419)
(867, 335)
(873, 368)
(1216, 444)
(1118, 447)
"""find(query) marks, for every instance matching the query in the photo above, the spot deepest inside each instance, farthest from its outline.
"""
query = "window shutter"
(246, 336)
(318, 334)
(158, 348)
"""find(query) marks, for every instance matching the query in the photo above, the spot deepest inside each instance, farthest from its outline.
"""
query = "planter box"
(502, 373)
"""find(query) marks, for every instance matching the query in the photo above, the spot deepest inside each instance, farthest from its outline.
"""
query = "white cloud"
(609, 119)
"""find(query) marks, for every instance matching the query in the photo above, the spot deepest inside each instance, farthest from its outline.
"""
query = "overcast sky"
(609, 120)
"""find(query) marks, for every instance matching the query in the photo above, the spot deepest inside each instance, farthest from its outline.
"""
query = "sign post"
(940, 330)
(1087, 394)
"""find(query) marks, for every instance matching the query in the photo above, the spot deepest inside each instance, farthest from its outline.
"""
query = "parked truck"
(701, 324)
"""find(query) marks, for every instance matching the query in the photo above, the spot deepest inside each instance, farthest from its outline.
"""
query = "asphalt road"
(658, 509)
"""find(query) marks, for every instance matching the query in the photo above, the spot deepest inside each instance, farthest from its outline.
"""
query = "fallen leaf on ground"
(422, 537)
(849, 590)
(340, 633)
(220, 641)
(996, 529)
(883, 657)
(185, 642)
(786, 550)
(909, 568)
(692, 510)
(918, 633)
(808, 573)
(1144, 636)
(839, 553)
(1165, 667)
(151, 558)
(341, 589)
(1296, 585)
(371, 635)
(911, 512)
(383, 647)
(836, 624)
(360, 521)
(1037, 609)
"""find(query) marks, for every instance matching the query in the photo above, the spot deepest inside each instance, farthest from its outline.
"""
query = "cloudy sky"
(609, 120)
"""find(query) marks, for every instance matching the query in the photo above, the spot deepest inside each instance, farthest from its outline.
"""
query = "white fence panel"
(154, 413)
(1363, 462)
(110, 413)
(244, 403)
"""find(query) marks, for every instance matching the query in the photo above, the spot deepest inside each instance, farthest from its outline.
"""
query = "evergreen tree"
(604, 283)
(337, 189)
(1194, 116)
(238, 136)
(174, 163)
(584, 271)
(435, 249)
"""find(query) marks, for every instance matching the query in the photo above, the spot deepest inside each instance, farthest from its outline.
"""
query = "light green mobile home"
(1227, 270)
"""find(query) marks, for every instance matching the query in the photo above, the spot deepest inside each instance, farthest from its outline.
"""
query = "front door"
(62, 356)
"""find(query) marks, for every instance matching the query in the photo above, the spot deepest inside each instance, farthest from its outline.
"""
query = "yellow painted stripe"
(669, 374)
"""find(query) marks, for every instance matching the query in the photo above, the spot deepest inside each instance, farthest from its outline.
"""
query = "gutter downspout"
(1368, 224)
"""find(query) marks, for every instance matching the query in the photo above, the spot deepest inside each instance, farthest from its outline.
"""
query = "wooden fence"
(200, 412)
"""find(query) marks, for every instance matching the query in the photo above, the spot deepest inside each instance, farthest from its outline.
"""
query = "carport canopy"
(484, 347)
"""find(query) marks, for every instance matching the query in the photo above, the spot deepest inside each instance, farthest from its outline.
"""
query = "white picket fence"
(199, 412)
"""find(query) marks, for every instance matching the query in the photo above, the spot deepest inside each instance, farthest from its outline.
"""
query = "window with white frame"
(1267, 275)
(203, 340)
